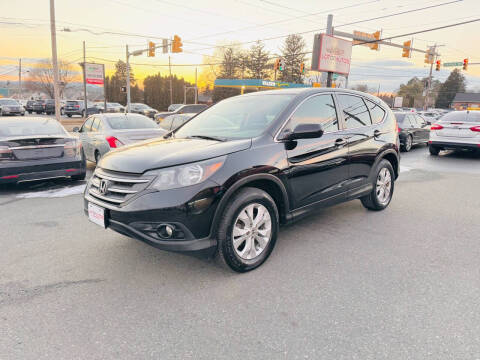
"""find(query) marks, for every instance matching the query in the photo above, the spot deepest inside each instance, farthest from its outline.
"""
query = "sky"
(202, 24)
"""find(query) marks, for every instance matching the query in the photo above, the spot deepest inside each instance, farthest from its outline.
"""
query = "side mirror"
(304, 131)
(76, 129)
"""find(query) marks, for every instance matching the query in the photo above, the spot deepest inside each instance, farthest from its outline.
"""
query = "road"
(345, 283)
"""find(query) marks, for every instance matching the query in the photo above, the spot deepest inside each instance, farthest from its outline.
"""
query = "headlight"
(185, 175)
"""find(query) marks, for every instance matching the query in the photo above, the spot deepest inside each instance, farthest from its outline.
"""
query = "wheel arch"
(392, 157)
(271, 184)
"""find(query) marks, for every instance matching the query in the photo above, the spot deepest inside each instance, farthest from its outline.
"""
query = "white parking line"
(54, 193)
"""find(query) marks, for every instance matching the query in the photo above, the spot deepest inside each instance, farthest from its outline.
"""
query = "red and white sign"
(335, 54)
(94, 73)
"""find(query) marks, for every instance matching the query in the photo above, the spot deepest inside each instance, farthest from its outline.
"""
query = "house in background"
(464, 101)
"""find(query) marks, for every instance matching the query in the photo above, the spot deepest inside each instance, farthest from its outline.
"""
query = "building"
(464, 101)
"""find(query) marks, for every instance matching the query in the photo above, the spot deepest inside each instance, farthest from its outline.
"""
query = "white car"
(456, 130)
(430, 116)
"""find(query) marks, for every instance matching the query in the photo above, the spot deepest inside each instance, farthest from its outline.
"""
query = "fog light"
(165, 231)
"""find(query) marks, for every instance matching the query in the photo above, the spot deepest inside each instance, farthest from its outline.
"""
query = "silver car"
(102, 132)
(456, 130)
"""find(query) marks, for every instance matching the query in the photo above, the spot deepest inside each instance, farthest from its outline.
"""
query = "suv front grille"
(114, 187)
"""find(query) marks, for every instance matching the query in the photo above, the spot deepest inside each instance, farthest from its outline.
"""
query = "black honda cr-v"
(224, 181)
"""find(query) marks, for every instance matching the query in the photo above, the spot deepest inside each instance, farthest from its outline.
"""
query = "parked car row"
(11, 107)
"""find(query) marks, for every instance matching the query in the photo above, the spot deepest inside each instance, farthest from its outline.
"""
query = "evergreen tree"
(455, 83)
(258, 61)
(293, 54)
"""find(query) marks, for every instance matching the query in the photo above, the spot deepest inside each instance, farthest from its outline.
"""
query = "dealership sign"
(331, 54)
(94, 73)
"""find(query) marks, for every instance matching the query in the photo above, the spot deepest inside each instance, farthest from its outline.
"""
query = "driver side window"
(319, 109)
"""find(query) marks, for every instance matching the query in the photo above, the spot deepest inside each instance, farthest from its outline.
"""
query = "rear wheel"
(407, 146)
(248, 230)
(83, 113)
(97, 156)
(383, 186)
(69, 115)
(433, 150)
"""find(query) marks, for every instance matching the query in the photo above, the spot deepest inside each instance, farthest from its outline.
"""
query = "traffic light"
(437, 66)
(281, 65)
(465, 64)
(151, 49)
(375, 45)
(177, 44)
(407, 48)
(429, 56)
(302, 68)
(276, 66)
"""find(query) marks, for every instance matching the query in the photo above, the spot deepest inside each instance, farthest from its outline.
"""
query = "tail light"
(475, 128)
(113, 142)
(77, 106)
(436, 127)
(72, 148)
(6, 153)
(399, 129)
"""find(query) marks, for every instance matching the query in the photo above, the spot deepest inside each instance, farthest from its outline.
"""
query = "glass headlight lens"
(185, 175)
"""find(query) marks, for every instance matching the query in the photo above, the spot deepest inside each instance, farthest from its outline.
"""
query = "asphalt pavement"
(345, 283)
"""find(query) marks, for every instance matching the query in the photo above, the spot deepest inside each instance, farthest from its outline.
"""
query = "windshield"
(141, 106)
(123, 122)
(237, 118)
(8, 102)
(461, 116)
(400, 117)
(193, 108)
(27, 127)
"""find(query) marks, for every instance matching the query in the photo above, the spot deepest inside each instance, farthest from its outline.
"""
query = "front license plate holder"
(97, 215)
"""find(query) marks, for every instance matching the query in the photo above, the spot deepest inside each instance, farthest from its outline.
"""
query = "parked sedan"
(184, 109)
(11, 107)
(103, 132)
(33, 148)
(172, 122)
(29, 106)
(143, 109)
(458, 130)
(77, 107)
(413, 129)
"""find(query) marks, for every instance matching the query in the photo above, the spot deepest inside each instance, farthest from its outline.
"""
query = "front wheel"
(248, 230)
(383, 186)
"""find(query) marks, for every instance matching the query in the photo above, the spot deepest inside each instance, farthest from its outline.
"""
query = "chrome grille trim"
(109, 199)
(107, 177)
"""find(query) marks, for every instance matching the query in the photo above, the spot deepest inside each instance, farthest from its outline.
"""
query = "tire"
(83, 113)
(407, 146)
(237, 256)
(375, 201)
(433, 150)
(1, 112)
(30, 112)
(69, 115)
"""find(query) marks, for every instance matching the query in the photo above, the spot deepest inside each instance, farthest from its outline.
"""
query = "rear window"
(123, 122)
(50, 101)
(461, 116)
(25, 127)
(193, 108)
(72, 102)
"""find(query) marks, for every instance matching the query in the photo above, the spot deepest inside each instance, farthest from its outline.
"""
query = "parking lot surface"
(345, 283)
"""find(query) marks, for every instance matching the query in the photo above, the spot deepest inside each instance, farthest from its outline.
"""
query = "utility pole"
(104, 91)
(196, 87)
(427, 95)
(85, 80)
(20, 77)
(53, 33)
(171, 89)
(329, 32)
(128, 81)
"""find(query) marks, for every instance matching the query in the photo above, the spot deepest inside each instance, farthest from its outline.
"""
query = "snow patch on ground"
(404, 168)
(55, 193)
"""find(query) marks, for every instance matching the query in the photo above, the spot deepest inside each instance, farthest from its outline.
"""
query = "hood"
(159, 153)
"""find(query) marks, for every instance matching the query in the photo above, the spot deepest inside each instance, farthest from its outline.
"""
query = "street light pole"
(128, 81)
(329, 32)
(53, 33)
(20, 77)
(85, 80)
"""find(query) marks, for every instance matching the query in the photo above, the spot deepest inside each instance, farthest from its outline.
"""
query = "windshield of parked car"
(123, 122)
(113, 104)
(461, 116)
(28, 127)
(400, 117)
(8, 102)
(193, 108)
(141, 106)
(237, 118)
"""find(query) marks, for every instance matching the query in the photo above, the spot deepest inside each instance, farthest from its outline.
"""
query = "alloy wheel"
(384, 186)
(408, 144)
(252, 231)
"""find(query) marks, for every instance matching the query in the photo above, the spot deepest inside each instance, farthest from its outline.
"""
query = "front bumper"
(12, 112)
(190, 211)
(21, 171)
(73, 112)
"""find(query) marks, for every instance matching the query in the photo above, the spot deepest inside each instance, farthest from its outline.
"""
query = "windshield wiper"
(206, 137)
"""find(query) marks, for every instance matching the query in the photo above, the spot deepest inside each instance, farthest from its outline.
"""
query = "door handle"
(377, 133)
(340, 142)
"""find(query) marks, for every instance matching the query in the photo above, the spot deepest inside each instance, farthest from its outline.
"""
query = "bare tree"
(41, 77)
